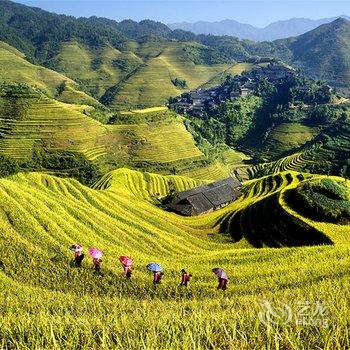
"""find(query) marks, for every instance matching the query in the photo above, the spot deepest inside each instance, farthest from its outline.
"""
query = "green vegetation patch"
(323, 200)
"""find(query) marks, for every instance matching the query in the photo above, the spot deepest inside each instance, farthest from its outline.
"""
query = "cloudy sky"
(256, 12)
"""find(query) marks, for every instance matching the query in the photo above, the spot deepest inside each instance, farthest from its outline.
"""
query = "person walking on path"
(78, 254)
(157, 271)
(127, 271)
(127, 263)
(157, 277)
(222, 278)
(185, 278)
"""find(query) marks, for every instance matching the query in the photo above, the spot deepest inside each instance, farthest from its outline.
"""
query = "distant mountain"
(122, 63)
(133, 29)
(276, 30)
(324, 52)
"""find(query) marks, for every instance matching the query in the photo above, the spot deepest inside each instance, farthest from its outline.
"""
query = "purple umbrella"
(220, 273)
(95, 253)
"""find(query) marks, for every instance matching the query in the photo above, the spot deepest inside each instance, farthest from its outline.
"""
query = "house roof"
(200, 203)
(220, 195)
(207, 197)
(222, 188)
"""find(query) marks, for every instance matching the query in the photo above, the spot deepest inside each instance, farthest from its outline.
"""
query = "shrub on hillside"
(163, 117)
(8, 166)
(329, 113)
(66, 164)
(179, 83)
(15, 99)
(18, 90)
(126, 65)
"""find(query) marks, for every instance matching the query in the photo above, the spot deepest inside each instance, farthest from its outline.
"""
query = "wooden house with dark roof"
(206, 198)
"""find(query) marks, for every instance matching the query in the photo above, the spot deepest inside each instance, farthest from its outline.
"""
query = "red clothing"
(185, 278)
(96, 264)
(157, 276)
(127, 271)
(222, 283)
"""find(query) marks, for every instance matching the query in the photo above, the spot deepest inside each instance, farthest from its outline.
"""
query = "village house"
(197, 102)
(327, 89)
(206, 198)
(304, 88)
(242, 92)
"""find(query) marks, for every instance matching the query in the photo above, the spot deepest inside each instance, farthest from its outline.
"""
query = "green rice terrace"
(48, 304)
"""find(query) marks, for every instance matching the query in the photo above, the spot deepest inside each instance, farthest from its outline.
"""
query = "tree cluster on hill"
(39, 33)
(179, 83)
(62, 163)
(8, 166)
(238, 117)
(136, 30)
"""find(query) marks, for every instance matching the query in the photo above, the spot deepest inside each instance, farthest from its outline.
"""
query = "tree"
(8, 166)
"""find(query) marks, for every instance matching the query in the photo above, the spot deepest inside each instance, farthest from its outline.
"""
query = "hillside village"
(197, 102)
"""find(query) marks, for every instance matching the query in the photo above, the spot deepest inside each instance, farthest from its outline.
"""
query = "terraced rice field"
(296, 161)
(288, 136)
(46, 123)
(213, 171)
(165, 143)
(150, 110)
(235, 69)
(97, 70)
(47, 304)
(140, 77)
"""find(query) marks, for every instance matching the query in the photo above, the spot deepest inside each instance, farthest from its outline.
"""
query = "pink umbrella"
(95, 253)
(126, 260)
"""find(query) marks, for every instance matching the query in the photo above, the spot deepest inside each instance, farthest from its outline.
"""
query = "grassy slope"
(41, 215)
(287, 137)
(95, 69)
(15, 68)
(151, 85)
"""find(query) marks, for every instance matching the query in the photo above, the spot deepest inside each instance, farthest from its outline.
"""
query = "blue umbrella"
(154, 267)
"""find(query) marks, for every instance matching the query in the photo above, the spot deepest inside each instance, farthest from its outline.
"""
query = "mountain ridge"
(324, 52)
(276, 30)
